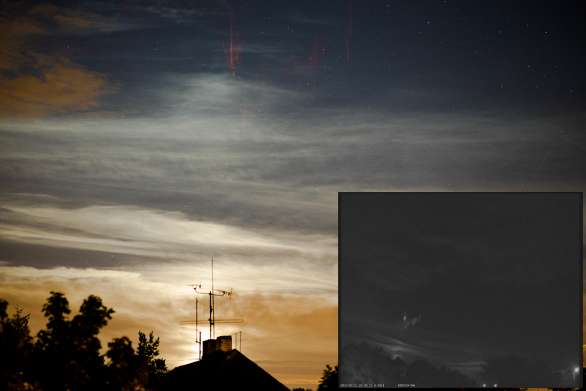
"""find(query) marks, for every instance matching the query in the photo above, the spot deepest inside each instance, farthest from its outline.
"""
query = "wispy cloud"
(171, 235)
(214, 152)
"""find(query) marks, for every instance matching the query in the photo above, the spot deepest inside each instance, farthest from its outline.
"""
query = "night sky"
(477, 275)
(138, 139)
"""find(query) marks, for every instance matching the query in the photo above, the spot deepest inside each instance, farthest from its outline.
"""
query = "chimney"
(224, 343)
(211, 346)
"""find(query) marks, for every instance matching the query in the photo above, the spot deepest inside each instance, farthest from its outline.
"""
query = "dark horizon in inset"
(462, 279)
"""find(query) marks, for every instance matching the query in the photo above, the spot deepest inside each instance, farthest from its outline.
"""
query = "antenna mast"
(212, 324)
(212, 320)
(197, 340)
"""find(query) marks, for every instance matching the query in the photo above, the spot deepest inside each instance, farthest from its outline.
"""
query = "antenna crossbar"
(184, 322)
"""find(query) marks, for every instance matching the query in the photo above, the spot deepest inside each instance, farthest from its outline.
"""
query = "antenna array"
(212, 321)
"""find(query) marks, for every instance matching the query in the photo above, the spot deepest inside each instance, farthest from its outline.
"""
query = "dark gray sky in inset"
(490, 274)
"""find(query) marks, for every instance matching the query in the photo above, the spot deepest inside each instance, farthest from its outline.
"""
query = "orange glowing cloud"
(292, 337)
(62, 88)
(33, 83)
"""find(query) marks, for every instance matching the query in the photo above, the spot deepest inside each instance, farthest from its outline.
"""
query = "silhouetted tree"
(150, 349)
(423, 374)
(55, 336)
(66, 354)
(514, 371)
(302, 389)
(157, 372)
(540, 368)
(16, 349)
(366, 364)
(329, 379)
(69, 351)
(122, 373)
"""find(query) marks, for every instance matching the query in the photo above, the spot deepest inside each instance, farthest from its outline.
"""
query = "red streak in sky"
(235, 49)
(317, 55)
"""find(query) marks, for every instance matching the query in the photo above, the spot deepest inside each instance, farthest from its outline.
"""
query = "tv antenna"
(212, 321)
